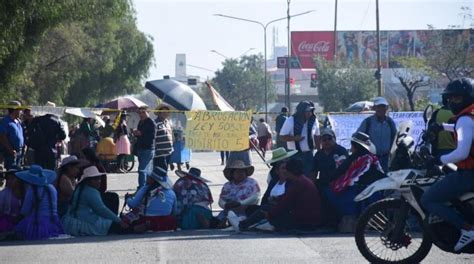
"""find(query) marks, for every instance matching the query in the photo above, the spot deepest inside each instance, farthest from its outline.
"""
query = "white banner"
(344, 125)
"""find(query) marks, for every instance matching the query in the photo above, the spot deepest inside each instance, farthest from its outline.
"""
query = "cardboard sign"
(215, 130)
(344, 125)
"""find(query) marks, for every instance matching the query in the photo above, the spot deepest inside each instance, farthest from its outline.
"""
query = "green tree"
(342, 83)
(412, 74)
(241, 83)
(72, 52)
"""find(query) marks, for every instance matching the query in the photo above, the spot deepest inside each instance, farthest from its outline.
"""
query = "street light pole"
(220, 54)
(287, 79)
(264, 27)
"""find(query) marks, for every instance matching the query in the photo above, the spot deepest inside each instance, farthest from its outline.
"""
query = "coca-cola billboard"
(307, 44)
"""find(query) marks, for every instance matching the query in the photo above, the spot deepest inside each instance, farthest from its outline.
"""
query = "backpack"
(36, 138)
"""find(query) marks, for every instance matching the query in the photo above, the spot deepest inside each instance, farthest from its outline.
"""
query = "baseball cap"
(380, 101)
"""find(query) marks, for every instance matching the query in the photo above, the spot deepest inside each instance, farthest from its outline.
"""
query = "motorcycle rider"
(460, 97)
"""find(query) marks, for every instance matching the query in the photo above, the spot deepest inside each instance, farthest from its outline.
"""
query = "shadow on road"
(182, 235)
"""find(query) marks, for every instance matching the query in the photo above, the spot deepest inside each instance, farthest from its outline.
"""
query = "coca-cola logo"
(317, 47)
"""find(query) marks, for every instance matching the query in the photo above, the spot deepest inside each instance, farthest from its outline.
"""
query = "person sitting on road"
(39, 206)
(275, 190)
(361, 168)
(325, 162)
(87, 214)
(10, 203)
(154, 204)
(194, 200)
(68, 173)
(240, 191)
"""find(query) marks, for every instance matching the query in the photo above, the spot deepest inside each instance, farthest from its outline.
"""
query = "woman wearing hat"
(87, 214)
(361, 168)
(276, 188)
(240, 191)
(68, 172)
(39, 207)
(194, 200)
(155, 203)
(10, 202)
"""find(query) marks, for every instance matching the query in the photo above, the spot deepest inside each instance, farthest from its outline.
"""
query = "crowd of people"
(312, 181)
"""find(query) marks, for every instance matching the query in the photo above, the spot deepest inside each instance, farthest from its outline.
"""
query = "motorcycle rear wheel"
(372, 235)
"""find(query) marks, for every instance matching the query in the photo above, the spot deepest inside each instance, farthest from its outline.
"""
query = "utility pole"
(287, 80)
(378, 73)
(335, 31)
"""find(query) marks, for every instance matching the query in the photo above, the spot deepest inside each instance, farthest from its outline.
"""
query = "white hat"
(90, 172)
(380, 101)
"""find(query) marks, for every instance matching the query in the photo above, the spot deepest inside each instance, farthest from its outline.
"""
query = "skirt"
(158, 223)
(191, 217)
(44, 227)
(122, 146)
(265, 142)
(77, 227)
(7, 223)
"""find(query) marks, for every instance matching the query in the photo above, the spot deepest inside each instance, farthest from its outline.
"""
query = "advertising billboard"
(361, 46)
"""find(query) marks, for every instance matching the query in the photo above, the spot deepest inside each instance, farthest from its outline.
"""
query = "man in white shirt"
(297, 136)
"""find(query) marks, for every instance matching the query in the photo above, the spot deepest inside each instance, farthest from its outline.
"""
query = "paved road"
(200, 246)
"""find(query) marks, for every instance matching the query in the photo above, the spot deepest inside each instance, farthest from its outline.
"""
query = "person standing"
(381, 129)
(48, 131)
(280, 120)
(11, 136)
(122, 143)
(264, 133)
(145, 145)
(301, 132)
(163, 138)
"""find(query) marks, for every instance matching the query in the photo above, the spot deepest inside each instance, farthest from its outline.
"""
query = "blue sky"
(185, 26)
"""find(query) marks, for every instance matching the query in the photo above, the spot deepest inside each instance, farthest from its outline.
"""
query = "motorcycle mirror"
(428, 113)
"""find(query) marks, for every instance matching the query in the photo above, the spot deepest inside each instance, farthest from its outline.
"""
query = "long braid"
(50, 199)
(78, 189)
(36, 203)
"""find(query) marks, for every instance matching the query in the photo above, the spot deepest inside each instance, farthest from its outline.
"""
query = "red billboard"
(308, 44)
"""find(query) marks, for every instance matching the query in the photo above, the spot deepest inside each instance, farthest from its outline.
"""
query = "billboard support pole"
(378, 74)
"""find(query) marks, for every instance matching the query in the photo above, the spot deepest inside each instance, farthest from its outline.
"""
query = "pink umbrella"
(124, 103)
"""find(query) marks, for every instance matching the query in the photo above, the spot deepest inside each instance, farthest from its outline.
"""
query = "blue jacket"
(162, 203)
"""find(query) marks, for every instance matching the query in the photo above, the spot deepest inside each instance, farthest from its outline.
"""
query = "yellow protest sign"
(215, 130)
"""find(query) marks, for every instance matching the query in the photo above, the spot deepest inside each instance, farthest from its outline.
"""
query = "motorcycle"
(398, 229)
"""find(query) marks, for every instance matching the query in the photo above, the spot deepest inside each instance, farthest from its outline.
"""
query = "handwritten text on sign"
(214, 130)
(344, 125)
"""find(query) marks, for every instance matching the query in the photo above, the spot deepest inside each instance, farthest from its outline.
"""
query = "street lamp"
(226, 57)
(264, 27)
(220, 54)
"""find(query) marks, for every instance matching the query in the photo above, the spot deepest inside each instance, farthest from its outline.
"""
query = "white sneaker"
(466, 238)
(265, 227)
(234, 220)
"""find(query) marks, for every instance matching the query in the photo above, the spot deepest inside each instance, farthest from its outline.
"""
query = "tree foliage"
(241, 83)
(72, 52)
(413, 74)
(342, 83)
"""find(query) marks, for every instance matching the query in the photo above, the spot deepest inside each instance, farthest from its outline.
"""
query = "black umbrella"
(176, 94)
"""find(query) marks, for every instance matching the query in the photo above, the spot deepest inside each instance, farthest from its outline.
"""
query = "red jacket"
(302, 200)
(468, 163)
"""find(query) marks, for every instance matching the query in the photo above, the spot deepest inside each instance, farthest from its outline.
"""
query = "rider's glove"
(433, 161)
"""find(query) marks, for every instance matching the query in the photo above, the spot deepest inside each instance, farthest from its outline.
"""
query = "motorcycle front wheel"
(375, 240)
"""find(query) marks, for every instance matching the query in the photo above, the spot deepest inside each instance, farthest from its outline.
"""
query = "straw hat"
(90, 172)
(161, 176)
(193, 172)
(280, 154)
(237, 165)
(163, 105)
(364, 140)
(36, 175)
